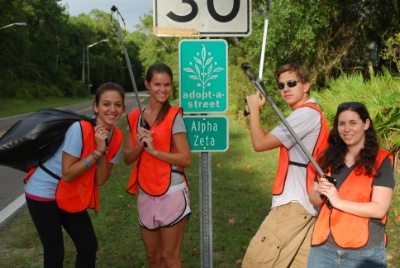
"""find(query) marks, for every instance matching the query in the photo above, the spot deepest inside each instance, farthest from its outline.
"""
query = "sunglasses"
(290, 83)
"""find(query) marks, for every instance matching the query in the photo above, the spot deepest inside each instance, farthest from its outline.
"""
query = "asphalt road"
(12, 186)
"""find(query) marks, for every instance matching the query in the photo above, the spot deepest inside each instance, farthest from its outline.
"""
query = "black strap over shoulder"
(297, 164)
(45, 169)
(178, 171)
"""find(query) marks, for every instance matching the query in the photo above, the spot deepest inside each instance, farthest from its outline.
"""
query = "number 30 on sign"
(207, 17)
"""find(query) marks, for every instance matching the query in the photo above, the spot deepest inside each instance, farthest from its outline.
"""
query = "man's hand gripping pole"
(255, 79)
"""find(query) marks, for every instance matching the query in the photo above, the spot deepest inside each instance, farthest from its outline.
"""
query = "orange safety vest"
(151, 174)
(320, 146)
(82, 192)
(348, 230)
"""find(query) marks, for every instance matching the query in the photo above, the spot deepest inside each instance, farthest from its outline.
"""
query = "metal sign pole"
(203, 69)
(206, 248)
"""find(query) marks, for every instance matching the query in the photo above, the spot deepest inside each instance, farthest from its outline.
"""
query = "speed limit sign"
(204, 17)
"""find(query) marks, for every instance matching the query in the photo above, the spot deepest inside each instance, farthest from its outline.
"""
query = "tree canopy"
(49, 56)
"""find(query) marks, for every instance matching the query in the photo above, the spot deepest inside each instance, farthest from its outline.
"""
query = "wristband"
(98, 154)
(100, 151)
(95, 157)
(87, 162)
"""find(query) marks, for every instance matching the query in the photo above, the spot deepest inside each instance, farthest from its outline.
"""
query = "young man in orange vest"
(284, 238)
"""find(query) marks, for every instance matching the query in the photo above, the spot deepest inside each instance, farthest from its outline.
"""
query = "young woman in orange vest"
(350, 229)
(59, 191)
(160, 153)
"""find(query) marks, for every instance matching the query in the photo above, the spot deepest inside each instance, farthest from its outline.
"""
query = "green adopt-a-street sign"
(203, 73)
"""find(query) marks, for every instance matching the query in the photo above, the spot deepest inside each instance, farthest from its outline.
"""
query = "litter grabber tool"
(260, 72)
(255, 79)
(115, 10)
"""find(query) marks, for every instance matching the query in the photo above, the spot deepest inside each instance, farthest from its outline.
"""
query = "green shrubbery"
(381, 95)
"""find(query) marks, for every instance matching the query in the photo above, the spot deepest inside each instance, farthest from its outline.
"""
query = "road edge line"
(12, 208)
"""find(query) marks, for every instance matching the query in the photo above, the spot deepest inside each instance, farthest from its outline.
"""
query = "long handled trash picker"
(255, 79)
(260, 72)
(128, 63)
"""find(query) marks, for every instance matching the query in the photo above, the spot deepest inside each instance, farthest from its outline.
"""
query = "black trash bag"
(37, 137)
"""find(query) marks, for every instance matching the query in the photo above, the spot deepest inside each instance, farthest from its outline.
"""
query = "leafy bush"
(72, 89)
(381, 95)
(391, 51)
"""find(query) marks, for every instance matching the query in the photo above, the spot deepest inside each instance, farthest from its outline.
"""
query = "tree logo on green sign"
(204, 70)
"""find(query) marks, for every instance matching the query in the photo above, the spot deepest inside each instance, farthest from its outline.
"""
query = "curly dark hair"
(334, 156)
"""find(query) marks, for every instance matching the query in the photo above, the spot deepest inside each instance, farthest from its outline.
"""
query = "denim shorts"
(326, 257)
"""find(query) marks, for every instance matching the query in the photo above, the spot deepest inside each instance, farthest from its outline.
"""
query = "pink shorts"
(163, 211)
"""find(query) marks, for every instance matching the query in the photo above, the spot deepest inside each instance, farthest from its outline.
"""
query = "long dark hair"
(160, 67)
(334, 155)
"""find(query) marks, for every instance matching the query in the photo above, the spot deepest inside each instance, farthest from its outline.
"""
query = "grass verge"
(241, 183)
(10, 107)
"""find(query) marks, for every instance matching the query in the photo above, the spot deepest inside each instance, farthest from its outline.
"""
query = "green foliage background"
(47, 57)
(381, 95)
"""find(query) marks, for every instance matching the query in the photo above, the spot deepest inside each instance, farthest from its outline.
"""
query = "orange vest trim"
(348, 230)
(320, 146)
(29, 174)
(151, 174)
(82, 192)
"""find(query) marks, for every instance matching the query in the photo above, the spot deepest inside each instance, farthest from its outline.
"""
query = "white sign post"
(202, 17)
